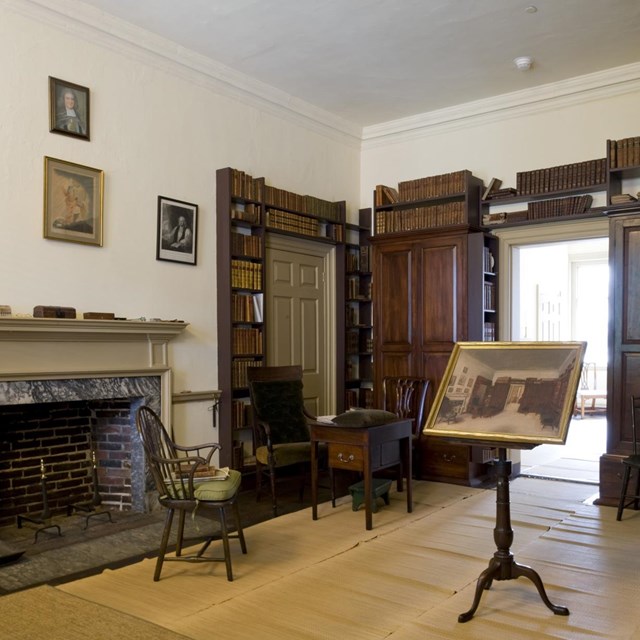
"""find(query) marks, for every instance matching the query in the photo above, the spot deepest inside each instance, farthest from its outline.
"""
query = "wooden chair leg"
(240, 531)
(258, 480)
(163, 544)
(636, 502)
(225, 543)
(180, 532)
(272, 480)
(623, 491)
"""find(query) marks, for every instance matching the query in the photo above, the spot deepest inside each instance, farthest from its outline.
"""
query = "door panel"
(440, 312)
(394, 278)
(295, 318)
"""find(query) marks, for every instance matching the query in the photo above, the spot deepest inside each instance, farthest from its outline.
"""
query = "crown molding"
(593, 86)
(126, 39)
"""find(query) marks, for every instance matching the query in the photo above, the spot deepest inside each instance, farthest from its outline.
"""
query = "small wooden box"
(42, 311)
(97, 315)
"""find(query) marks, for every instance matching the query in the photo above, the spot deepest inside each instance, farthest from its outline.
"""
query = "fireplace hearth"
(69, 390)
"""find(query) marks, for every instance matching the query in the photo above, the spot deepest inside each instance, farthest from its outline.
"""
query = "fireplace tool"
(45, 515)
(91, 506)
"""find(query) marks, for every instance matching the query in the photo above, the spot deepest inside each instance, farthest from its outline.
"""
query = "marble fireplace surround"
(60, 360)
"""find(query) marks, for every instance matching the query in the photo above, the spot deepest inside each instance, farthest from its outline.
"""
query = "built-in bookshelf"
(358, 314)
(483, 287)
(623, 177)
(565, 192)
(436, 201)
(248, 208)
(240, 261)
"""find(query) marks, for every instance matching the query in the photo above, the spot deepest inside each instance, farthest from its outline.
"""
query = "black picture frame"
(177, 231)
(69, 109)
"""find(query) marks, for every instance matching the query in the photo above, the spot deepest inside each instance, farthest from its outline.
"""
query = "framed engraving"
(177, 231)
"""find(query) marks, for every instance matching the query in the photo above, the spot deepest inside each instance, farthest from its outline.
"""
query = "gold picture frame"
(521, 393)
(73, 202)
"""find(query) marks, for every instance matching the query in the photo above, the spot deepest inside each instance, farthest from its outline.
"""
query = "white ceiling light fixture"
(523, 63)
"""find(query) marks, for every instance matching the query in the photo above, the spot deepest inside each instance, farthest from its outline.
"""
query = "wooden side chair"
(185, 483)
(279, 421)
(406, 396)
(631, 463)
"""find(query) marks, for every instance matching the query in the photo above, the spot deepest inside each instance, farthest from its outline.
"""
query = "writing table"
(365, 449)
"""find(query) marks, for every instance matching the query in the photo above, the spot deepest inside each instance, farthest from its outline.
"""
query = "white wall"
(500, 144)
(156, 129)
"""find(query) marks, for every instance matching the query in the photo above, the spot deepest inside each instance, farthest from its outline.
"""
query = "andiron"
(502, 566)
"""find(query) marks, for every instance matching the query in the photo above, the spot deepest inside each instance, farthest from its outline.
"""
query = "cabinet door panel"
(441, 294)
(393, 283)
(631, 302)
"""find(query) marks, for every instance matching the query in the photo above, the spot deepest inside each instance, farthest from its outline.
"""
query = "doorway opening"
(560, 292)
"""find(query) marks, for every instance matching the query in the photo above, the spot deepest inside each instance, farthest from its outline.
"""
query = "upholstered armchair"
(279, 421)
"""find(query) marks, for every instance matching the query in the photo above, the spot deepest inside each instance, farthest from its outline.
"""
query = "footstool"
(380, 489)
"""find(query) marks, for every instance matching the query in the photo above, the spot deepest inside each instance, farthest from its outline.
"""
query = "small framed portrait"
(73, 202)
(522, 394)
(177, 230)
(68, 108)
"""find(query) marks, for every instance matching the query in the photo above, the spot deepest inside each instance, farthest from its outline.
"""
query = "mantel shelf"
(68, 329)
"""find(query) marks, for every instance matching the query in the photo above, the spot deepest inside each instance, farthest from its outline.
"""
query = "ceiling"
(373, 61)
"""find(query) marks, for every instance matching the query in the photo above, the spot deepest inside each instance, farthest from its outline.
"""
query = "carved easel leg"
(502, 566)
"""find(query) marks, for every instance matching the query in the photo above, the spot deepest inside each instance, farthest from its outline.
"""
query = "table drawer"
(346, 456)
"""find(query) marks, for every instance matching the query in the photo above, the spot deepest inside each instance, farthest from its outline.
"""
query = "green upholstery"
(285, 454)
(219, 489)
(281, 404)
(364, 418)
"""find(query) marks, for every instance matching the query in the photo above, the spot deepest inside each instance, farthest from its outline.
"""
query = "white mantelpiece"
(54, 349)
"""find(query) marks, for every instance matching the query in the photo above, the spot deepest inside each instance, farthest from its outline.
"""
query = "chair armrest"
(200, 450)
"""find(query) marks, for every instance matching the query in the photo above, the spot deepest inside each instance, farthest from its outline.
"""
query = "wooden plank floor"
(406, 579)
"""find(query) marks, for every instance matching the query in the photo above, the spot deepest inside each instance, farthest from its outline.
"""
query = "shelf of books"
(248, 208)
(568, 191)
(428, 203)
(240, 262)
(483, 287)
(623, 161)
(359, 314)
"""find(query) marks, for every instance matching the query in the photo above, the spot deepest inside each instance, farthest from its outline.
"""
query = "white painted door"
(296, 315)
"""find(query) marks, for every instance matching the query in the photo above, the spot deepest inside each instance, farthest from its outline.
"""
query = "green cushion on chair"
(219, 489)
(286, 453)
(365, 418)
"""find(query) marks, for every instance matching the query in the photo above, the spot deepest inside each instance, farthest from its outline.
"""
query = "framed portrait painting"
(516, 393)
(69, 106)
(177, 231)
(73, 199)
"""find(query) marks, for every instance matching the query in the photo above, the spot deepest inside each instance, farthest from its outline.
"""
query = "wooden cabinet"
(424, 304)
(623, 374)
(358, 315)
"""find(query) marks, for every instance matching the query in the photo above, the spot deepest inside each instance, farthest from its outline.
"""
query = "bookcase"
(241, 305)
(623, 171)
(358, 315)
(246, 210)
(427, 203)
(564, 192)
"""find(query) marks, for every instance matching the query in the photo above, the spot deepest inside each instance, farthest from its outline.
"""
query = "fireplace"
(69, 390)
